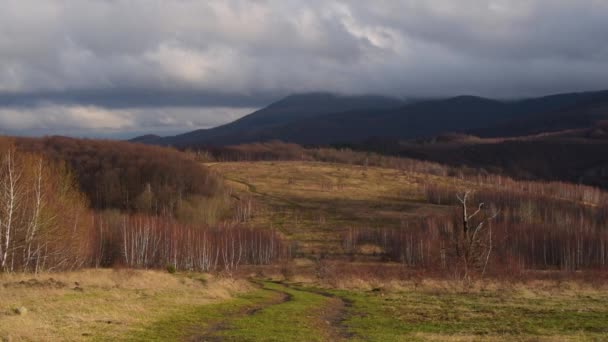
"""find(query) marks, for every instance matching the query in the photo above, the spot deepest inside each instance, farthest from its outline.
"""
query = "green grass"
(192, 322)
(299, 313)
(296, 319)
(272, 313)
(419, 315)
(156, 306)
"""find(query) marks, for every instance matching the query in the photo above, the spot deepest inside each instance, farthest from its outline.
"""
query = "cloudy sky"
(120, 68)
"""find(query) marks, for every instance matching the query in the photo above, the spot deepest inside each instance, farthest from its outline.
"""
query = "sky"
(117, 68)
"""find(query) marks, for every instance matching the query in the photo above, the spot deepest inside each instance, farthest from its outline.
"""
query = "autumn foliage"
(144, 241)
(129, 176)
(47, 225)
(530, 231)
(43, 216)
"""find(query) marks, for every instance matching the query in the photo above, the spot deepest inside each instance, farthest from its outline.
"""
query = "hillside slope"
(458, 114)
(329, 119)
(569, 111)
(261, 124)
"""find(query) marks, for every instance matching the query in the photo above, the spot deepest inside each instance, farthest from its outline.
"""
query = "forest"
(70, 204)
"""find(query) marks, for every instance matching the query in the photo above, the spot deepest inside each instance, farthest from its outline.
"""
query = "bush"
(171, 268)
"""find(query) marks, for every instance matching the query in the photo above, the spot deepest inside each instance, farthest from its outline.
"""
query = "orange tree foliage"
(44, 219)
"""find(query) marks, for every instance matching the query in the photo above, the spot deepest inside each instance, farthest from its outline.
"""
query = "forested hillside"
(316, 119)
(69, 203)
(127, 176)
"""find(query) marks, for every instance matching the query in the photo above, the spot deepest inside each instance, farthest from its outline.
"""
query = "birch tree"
(474, 242)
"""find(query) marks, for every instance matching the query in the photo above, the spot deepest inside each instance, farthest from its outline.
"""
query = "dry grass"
(448, 310)
(315, 202)
(100, 304)
(384, 304)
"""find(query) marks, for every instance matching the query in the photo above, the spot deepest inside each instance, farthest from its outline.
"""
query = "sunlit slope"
(313, 203)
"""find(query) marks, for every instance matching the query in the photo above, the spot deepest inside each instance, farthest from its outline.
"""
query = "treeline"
(136, 177)
(575, 156)
(528, 232)
(144, 241)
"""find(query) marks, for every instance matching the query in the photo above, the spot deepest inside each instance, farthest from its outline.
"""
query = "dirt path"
(210, 334)
(301, 313)
(334, 314)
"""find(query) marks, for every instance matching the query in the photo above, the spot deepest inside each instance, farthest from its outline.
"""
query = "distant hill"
(260, 124)
(321, 118)
(463, 114)
(573, 155)
(566, 111)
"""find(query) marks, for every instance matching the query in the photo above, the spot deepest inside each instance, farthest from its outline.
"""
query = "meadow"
(314, 203)
(127, 305)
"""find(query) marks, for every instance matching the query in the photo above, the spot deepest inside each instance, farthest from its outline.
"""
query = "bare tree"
(11, 197)
(474, 242)
(34, 225)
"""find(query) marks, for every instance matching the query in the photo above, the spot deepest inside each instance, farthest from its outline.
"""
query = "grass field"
(102, 304)
(314, 202)
(519, 313)
(155, 306)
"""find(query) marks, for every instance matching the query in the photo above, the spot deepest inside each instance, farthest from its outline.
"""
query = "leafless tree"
(11, 197)
(474, 242)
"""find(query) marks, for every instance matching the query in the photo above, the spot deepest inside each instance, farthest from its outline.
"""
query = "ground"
(154, 306)
(97, 303)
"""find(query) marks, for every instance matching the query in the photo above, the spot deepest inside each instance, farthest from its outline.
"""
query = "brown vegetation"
(104, 304)
(45, 224)
(130, 176)
(42, 215)
(532, 232)
(143, 241)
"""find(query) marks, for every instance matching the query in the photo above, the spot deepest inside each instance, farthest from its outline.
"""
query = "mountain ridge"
(325, 118)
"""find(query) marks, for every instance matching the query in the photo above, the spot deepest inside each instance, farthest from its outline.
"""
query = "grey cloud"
(156, 55)
(130, 97)
(94, 121)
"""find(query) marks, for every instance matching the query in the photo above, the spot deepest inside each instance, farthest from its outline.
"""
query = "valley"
(232, 170)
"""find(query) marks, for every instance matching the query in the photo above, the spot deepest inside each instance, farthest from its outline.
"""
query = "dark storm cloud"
(155, 63)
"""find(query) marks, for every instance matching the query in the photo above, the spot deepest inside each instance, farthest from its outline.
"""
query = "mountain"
(554, 113)
(321, 118)
(290, 109)
(462, 114)
(416, 119)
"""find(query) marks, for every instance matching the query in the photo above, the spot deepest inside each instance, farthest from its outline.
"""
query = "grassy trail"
(273, 312)
(195, 323)
(302, 316)
(253, 189)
